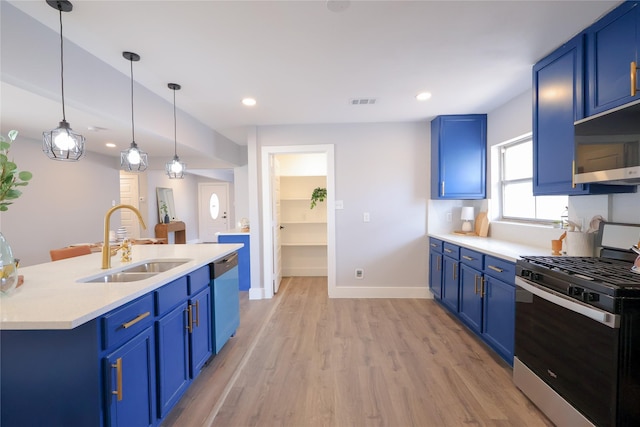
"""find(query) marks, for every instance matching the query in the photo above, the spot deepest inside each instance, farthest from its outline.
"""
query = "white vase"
(9, 275)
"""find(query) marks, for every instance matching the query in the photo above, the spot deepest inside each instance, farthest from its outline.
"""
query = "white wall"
(382, 169)
(63, 204)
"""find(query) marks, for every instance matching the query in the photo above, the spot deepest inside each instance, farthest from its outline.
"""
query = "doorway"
(272, 223)
(213, 210)
(129, 195)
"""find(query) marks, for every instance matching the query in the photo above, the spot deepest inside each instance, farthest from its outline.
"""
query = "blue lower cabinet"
(201, 336)
(450, 287)
(244, 259)
(471, 297)
(130, 388)
(173, 358)
(499, 316)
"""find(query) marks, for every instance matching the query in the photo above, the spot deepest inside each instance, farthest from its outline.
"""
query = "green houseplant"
(10, 181)
(318, 195)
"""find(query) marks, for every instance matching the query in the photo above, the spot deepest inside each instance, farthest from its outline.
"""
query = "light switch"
(365, 217)
(339, 204)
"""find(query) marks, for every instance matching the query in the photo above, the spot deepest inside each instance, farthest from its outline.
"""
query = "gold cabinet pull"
(475, 284)
(633, 74)
(455, 270)
(433, 245)
(197, 313)
(190, 320)
(118, 367)
(136, 320)
(573, 174)
(494, 268)
(448, 250)
(438, 262)
(468, 258)
(482, 289)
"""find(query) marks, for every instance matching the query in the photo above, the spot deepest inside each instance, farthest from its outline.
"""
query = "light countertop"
(234, 231)
(52, 297)
(499, 248)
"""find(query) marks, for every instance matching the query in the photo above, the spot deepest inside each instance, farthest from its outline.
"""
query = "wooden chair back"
(69, 252)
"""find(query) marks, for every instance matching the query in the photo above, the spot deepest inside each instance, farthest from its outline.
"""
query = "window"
(516, 184)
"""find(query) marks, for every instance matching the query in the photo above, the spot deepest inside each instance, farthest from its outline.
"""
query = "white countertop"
(499, 248)
(53, 298)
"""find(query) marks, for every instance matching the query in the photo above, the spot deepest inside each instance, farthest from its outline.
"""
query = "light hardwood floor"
(302, 359)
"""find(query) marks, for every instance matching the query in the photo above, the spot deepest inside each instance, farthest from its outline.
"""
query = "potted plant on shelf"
(318, 195)
(165, 211)
(10, 181)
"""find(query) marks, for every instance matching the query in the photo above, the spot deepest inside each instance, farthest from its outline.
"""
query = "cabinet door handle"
(573, 174)
(448, 250)
(118, 367)
(443, 188)
(438, 262)
(455, 270)
(482, 289)
(494, 268)
(475, 284)
(633, 73)
(189, 319)
(197, 313)
(136, 320)
(468, 258)
(433, 245)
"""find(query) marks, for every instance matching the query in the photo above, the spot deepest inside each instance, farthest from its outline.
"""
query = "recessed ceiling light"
(249, 102)
(423, 96)
(110, 144)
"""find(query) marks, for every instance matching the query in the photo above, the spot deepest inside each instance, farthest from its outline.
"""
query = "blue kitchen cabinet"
(471, 297)
(557, 103)
(499, 306)
(613, 43)
(131, 383)
(435, 267)
(450, 276)
(244, 260)
(201, 336)
(459, 157)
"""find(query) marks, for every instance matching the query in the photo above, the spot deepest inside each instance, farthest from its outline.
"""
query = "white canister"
(579, 244)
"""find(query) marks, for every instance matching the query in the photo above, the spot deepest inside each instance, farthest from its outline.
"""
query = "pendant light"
(133, 159)
(62, 143)
(175, 168)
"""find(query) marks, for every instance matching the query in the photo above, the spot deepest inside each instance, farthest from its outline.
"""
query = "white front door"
(129, 196)
(213, 210)
(277, 248)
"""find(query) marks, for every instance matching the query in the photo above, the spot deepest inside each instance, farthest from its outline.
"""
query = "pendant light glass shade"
(133, 159)
(62, 143)
(175, 168)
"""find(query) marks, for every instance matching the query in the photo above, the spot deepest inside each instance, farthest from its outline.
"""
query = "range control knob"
(590, 296)
(576, 291)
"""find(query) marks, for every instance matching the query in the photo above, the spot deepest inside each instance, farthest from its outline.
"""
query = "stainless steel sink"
(154, 267)
(121, 276)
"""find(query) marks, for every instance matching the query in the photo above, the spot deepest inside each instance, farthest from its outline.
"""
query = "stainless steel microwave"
(607, 147)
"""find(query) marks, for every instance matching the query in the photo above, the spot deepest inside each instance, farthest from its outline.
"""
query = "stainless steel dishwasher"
(226, 300)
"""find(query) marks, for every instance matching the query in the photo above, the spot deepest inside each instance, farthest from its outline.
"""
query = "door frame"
(267, 217)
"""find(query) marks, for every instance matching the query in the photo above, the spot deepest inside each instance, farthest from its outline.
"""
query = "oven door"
(571, 346)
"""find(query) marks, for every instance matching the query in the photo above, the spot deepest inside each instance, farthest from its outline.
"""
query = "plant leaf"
(25, 176)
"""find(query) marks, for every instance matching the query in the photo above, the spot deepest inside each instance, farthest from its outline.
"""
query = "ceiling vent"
(362, 101)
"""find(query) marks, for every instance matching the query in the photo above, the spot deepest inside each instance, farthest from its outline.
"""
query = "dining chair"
(69, 252)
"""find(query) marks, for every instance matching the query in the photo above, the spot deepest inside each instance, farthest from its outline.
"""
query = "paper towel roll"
(579, 244)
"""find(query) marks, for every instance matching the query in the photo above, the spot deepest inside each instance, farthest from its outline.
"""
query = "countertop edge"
(509, 251)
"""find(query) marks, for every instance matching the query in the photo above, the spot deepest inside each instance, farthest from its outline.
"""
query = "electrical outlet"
(359, 273)
(449, 217)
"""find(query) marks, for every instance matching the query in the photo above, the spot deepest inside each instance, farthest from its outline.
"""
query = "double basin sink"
(137, 272)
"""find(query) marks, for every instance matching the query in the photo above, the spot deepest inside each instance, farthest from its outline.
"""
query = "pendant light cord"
(133, 137)
(64, 118)
(175, 133)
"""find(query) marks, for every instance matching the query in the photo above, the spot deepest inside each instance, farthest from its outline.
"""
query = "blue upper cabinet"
(459, 157)
(613, 44)
(557, 103)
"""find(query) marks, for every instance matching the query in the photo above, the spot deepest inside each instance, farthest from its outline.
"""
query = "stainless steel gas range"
(577, 334)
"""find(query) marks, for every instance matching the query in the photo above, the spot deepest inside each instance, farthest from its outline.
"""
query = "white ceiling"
(300, 60)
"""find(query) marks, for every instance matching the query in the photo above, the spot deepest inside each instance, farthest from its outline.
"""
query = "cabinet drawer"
(451, 250)
(125, 322)
(198, 279)
(500, 269)
(170, 295)
(435, 244)
(471, 258)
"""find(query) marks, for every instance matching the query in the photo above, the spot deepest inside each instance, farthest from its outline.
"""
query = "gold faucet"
(106, 250)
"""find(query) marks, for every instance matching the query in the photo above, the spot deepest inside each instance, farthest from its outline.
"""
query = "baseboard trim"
(256, 293)
(380, 292)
